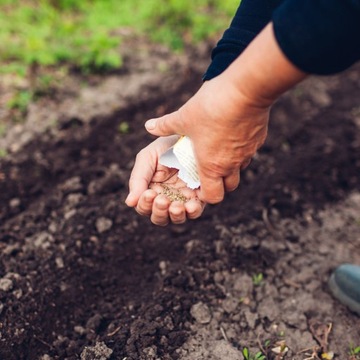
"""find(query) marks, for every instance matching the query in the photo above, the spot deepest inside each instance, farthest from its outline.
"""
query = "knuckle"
(213, 199)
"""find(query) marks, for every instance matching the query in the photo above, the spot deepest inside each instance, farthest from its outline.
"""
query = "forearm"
(262, 73)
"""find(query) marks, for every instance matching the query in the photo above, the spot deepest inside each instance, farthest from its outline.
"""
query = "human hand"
(227, 118)
(157, 192)
(226, 130)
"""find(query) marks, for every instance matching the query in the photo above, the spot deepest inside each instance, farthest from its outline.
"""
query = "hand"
(157, 192)
(226, 130)
(227, 119)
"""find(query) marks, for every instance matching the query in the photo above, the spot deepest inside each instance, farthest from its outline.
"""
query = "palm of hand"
(168, 199)
(167, 182)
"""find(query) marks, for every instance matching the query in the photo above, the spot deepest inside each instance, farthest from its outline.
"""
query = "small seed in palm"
(173, 194)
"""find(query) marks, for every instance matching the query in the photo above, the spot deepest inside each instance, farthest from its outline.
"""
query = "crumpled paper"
(181, 157)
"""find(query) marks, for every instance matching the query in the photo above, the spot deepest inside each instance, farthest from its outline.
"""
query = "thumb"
(169, 124)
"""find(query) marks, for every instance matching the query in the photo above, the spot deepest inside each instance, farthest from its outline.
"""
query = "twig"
(114, 332)
(223, 333)
(260, 345)
(321, 334)
(43, 342)
(269, 225)
(292, 283)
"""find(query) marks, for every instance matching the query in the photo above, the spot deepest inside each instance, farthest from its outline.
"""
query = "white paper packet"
(181, 157)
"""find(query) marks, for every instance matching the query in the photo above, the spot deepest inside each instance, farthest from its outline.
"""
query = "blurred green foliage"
(21, 100)
(81, 33)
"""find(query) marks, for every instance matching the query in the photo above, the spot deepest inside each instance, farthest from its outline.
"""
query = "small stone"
(163, 267)
(80, 330)
(94, 322)
(59, 262)
(98, 352)
(60, 341)
(6, 284)
(69, 214)
(103, 224)
(11, 249)
(168, 322)
(53, 227)
(72, 185)
(150, 352)
(230, 304)
(201, 313)
(18, 293)
(243, 285)
(41, 240)
(14, 203)
(45, 357)
(63, 286)
(74, 199)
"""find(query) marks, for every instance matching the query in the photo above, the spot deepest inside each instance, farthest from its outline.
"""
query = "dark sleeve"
(250, 18)
(319, 36)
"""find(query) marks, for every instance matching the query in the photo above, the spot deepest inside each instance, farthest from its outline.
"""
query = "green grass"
(81, 32)
(21, 100)
(3, 153)
(354, 352)
(249, 356)
(258, 279)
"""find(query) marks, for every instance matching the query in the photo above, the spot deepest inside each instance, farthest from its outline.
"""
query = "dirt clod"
(103, 224)
(98, 352)
(6, 284)
(201, 313)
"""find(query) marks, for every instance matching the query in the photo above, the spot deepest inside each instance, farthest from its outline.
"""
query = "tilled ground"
(81, 275)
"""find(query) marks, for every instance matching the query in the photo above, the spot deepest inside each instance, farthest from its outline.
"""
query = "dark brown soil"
(79, 268)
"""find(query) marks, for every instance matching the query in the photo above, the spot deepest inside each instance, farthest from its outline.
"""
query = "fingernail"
(127, 198)
(150, 124)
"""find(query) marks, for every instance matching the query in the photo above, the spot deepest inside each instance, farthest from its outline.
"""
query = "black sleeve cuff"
(227, 50)
(319, 36)
(250, 18)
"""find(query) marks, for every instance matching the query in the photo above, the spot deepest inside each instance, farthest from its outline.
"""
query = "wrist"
(262, 73)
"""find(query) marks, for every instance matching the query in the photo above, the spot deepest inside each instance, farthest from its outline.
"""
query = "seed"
(173, 194)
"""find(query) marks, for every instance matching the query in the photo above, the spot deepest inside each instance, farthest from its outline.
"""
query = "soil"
(83, 276)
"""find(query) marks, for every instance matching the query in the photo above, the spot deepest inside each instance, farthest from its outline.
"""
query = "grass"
(82, 33)
(39, 38)
(249, 356)
(258, 279)
(21, 100)
(354, 352)
(3, 153)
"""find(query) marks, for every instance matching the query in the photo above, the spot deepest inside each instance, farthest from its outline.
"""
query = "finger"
(231, 182)
(145, 203)
(141, 176)
(169, 124)
(160, 211)
(177, 212)
(245, 164)
(164, 143)
(194, 208)
(163, 174)
(211, 189)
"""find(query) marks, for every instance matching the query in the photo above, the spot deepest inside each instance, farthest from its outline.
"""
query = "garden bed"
(83, 275)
